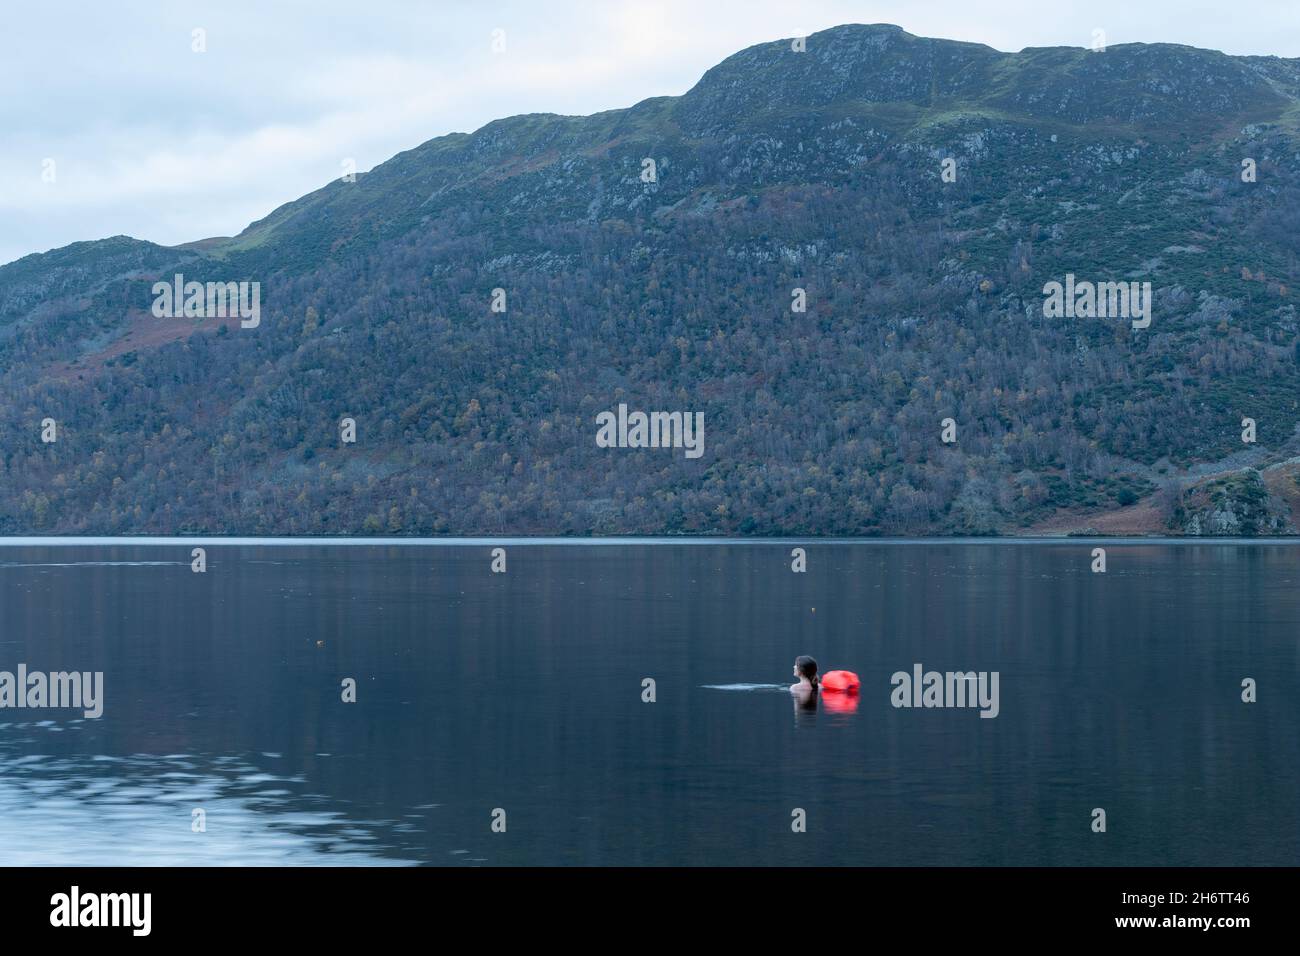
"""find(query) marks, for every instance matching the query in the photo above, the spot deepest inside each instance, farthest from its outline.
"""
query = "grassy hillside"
(780, 170)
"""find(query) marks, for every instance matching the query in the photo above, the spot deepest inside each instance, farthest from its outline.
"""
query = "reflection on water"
(137, 810)
(525, 691)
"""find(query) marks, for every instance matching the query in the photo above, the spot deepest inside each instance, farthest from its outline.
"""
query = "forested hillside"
(780, 170)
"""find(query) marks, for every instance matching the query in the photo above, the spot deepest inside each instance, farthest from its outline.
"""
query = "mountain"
(820, 170)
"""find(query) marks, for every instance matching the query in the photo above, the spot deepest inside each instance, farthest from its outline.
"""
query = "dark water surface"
(523, 691)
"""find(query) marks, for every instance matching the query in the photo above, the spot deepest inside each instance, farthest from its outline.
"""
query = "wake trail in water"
(745, 686)
(92, 564)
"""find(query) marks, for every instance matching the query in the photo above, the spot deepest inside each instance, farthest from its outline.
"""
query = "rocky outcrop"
(1237, 505)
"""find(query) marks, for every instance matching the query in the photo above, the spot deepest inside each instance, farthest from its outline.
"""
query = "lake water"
(523, 691)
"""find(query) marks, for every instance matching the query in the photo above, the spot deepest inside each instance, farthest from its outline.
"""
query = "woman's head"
(806, 667)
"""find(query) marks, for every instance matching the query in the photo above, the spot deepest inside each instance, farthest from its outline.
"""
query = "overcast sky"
(151, 139)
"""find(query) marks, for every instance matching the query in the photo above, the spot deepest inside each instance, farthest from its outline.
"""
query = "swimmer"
(839, 689)
(805, 668)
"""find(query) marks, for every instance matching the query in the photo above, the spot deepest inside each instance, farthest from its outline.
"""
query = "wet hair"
(807, 668)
